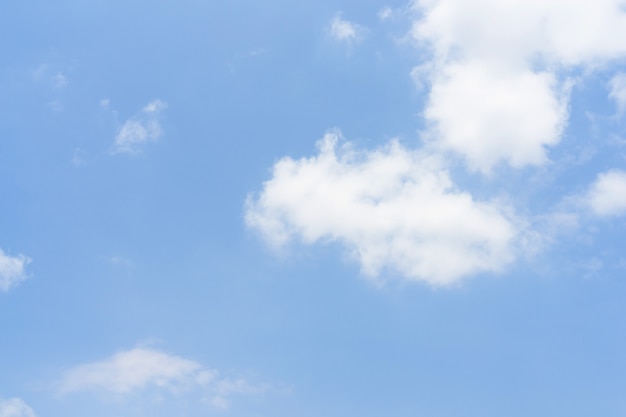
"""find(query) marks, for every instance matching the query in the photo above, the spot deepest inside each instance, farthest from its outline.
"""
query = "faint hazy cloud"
(140, 129)
(345, 31)
(385, 13)
(55, 80)
(618, 92)
(131, 370)
(55, 106)
(257, 52)
(46, 74)
(592, 267)
(224, 389)
(12, 270)
(39, 72)
(78, 158)
(59, 80)
(391, 207)
(15, 407)
(136, 370)
(120, 262)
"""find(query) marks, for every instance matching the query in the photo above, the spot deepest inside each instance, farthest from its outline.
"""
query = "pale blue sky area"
(312, 209)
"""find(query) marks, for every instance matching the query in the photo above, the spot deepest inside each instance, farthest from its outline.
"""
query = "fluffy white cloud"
(490, 115)
(344, 30)
(618, 92)
(498, 92)
(15, 407)
(139, 130)
(498, 75)
(393, 208)
(567, 32)
(138, 369)
(607, 195)
(12, 270)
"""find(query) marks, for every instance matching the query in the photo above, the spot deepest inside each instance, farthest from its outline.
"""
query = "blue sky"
(312, 209)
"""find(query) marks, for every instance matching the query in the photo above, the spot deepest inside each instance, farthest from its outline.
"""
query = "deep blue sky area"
(307, 209)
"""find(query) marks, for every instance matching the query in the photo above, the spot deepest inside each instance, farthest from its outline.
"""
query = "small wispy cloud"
(385, 13)
(140, 129)
(55, 80)
(120, 262)
(47, 74)
(12, 270)
(15, 407)
(618, 92)
(134, 371)
(257, 52)
(155, 106)
(346, 31)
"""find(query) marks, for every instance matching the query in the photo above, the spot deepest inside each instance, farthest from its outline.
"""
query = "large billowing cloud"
(15, 407)
(498, 76)
(499, 70)
(12, 270)
(392, 207)
(139, 369)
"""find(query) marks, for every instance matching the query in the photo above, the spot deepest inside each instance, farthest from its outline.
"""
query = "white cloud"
(498, 92)
(489, 115)
(344, 30)
(139, 130)
(618, 92)
(498, 74)
(607, 195)
(392, 208)
(131, 370)
(567, 32)
(12, 270)
(15, 407)
(136, 370)
(155, 106)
